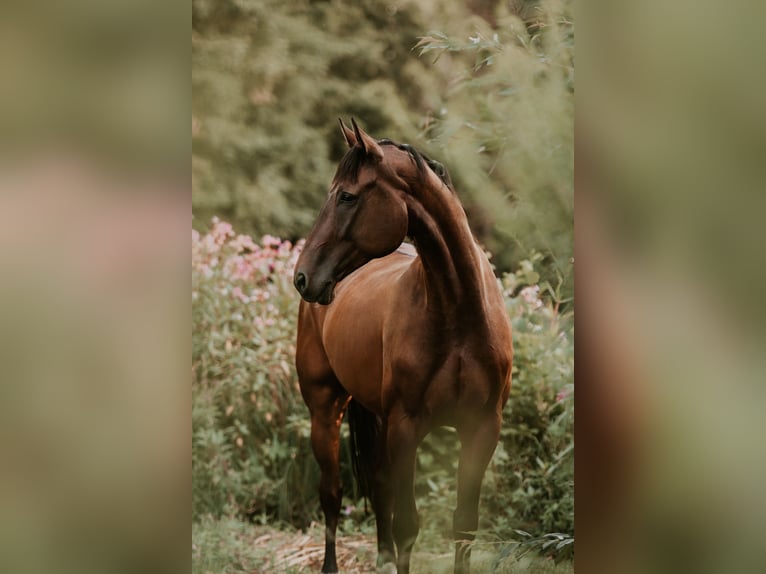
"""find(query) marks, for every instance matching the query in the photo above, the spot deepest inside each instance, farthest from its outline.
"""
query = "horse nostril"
(300, 282)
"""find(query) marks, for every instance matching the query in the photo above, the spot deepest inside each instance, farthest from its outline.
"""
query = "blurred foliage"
(251, 452)
(506, 130)
(271, 78)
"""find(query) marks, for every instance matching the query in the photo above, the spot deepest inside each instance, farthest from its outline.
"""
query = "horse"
(405, 339)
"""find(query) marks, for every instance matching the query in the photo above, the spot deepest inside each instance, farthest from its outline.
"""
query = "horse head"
(364, 217)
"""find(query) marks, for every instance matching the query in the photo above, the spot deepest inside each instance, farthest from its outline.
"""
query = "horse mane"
(352, 162)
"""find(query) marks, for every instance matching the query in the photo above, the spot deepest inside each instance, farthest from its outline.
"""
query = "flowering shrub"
(249, 421)
(535, 459)
(251, 450)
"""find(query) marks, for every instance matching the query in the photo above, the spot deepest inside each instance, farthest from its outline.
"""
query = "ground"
(230, 546)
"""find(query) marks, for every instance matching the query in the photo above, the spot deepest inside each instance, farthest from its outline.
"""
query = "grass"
(229, 546)
(226, 545)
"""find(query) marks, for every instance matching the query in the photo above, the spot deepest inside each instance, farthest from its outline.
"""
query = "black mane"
(352, 162)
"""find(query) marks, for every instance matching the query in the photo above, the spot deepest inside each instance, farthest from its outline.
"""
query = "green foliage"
(251, 451)
(250, 441)
(506, 129)
(251, 454)
(271, 78)
(231, 546)
(538, 435)
(225, 546)
(269, 81)
(556, 544)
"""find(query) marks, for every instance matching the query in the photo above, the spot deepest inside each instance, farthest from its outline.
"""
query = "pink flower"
(271, 241)
(237, 292)
(260, 323)
(209, 243)
(243, 242)
(205, 270)
(261, 295)
(530, 296)
(220, 231)
(241, 268)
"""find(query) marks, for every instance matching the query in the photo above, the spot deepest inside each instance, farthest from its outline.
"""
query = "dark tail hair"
(366, 430)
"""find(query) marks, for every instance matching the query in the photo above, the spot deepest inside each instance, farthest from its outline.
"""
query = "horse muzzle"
(321, 293)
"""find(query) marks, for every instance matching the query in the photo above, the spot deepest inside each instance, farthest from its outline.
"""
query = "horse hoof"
(388, 568)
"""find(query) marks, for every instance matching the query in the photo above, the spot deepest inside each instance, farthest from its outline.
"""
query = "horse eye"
(345, 197)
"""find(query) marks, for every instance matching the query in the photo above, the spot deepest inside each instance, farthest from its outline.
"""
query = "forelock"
(355, 158)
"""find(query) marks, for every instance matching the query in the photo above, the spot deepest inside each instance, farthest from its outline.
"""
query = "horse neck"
(452, 263)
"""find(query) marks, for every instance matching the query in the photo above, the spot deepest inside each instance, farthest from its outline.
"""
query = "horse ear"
(348, 135)
(368, 144)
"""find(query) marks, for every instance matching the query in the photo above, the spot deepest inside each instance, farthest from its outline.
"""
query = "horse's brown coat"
(420, 340)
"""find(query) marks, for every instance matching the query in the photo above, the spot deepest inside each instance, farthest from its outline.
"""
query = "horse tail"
(365, 436)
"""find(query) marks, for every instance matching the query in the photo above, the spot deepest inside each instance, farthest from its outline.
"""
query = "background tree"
(269, 80)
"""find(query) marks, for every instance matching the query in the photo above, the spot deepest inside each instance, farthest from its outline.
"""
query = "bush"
(250, 441)
(269, 80)
(535, 472)
(251, 450)
(505, 128)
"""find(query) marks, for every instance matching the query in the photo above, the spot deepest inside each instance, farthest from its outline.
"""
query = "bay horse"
(404, 339)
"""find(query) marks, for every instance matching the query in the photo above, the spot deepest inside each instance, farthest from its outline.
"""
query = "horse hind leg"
(382, 504)
(326, 402)
(403, 436)
(477, 446)
(372, 470)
